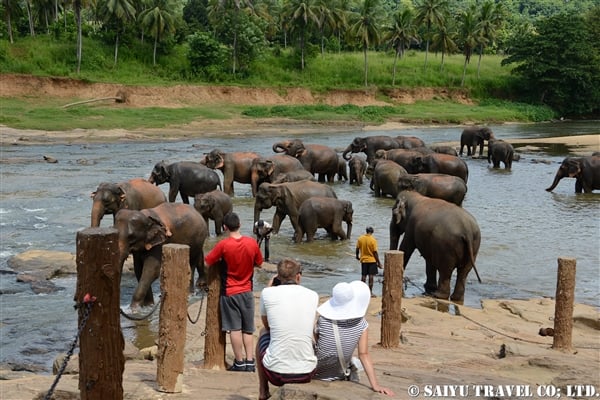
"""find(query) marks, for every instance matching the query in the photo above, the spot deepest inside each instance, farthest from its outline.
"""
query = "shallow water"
(524, 228)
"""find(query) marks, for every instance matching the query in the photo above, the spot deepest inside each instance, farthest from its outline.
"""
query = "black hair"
(232, 221)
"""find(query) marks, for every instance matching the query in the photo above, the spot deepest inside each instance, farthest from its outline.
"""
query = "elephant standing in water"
(369, 145)
(474, 136)
(315, 158)
(500, 151)
(385, 178)
(446, 235)
(213, 205)
(327, 213)
(287, 198)
(134, 194)
(235, 166)
(440, 164)
(439, 186)
(358, 167)
(267, 169)
(586, 171)
(186, 178)
(142, 233)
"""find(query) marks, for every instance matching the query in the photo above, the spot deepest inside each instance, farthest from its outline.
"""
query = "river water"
(524, 228)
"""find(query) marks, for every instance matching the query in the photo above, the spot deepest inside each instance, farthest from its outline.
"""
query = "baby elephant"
(213, 205)
(324, 212)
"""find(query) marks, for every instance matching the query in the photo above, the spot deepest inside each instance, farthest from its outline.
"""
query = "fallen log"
(121, 97)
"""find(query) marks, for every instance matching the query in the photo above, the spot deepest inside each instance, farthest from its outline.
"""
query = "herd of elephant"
(428, 184)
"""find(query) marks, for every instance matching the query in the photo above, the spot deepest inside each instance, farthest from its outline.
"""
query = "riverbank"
(492, 350)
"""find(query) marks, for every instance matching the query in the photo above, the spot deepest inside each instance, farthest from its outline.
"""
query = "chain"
(140, 318)
(193, 321)
(88, 302)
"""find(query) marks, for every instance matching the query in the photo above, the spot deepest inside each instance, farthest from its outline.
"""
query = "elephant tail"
(470, 256)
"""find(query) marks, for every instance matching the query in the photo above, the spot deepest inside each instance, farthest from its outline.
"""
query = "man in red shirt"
(238, 255)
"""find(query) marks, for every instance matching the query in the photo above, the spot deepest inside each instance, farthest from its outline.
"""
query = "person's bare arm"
(365, 359)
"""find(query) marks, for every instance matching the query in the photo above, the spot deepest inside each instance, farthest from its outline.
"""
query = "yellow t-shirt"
(367, 246)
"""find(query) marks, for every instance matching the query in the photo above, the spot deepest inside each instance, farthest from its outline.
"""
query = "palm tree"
(11, 10)
(443, 40)
(366, 28)
(491, 17)
(469, 37)
(400, 34)
(431, 13)
(325, 18)
(301, 14)
(159, 19)
(340, 10)
(120, 11)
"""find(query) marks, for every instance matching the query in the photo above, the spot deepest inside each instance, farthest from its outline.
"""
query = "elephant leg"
(197, 263)
(431, 282)
(298, 233)
(443, 290)
(143, 296)
(459, 287)
(321, 177)
(218, 226)
(277, 220)
(338, 231)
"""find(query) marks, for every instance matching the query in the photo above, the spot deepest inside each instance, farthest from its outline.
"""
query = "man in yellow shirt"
(366, 253)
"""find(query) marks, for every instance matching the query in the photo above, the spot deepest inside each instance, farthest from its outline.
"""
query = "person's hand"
(379, 265)
(383, 390)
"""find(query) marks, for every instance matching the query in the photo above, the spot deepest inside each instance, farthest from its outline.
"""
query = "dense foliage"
(229, 40)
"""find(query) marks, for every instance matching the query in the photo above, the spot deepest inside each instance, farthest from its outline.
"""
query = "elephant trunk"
(257, 211)
(348, 230)
(557, 179)
(254, 182)
(345, 153)
(97, 213)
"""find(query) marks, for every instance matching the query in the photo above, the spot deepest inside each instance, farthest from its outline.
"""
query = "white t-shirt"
(290, 310)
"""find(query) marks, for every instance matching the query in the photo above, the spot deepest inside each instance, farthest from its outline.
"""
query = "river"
(524, 228)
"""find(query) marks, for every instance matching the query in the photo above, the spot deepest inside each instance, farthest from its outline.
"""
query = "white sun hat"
(348, 301)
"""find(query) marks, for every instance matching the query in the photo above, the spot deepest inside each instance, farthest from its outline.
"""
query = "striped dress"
(328, 361)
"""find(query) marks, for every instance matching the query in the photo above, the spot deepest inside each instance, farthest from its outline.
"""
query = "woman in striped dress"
(345, 313)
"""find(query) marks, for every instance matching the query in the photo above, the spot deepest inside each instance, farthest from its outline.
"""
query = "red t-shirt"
(240, 256)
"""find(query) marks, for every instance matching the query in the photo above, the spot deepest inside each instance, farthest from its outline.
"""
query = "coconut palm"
(11, 11)
(443, 40)
(400, 34)
(366, 28)
(340, 10)
(300, 14)
(431, 13)
(491, 17)
(120, 11)
(158, 19)
(469, 37)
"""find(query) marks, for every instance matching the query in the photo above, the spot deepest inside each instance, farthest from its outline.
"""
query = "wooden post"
(391, 302)
(174, 283)
(563, 311)
(214, 343)
(101, 344)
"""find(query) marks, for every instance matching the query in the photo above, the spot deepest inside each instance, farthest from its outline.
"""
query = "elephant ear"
(157, 233)
(399, 211)
(269, 167)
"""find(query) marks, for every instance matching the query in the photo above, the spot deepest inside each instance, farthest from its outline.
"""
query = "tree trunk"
(154, 52)
(117, 47)
(79, 39)
(462, 82)
(366, 66)
(394, 71)
(479, 61)
(9, 26)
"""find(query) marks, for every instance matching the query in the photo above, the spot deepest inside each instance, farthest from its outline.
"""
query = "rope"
(141, 318)
(204, 291)
(88, 302)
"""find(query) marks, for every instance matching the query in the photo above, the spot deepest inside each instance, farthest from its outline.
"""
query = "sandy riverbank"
(441, 344)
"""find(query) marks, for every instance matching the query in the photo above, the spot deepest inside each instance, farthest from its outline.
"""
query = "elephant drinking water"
(586, 171)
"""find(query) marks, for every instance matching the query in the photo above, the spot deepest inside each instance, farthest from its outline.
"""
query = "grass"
(46, 56)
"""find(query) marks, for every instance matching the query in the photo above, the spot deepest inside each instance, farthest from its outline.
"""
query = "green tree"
(432, 13)
(340, 10)
(559, 65)
(300, 15)
(491, 17)
(401, 34)
(469, 37)
(366, 29)
(159, 20)
(11, 10)
(119, 12)
(443, 40)
(206, 55)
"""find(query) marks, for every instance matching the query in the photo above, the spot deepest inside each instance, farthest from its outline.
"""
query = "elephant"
(342, 173)
(294, 176)
(287, 198)
(444, 150)
(358, 167)
(369, 145)
(213, 205)
(266, 169)
(143, 232)
(446, 235)
(441, 164)
(401, 157)
(186, 178)
(235, 166)
(474, 136)
(500, 151)
(439, 186)
(324, 212)
(134, 194)
(315, 158)
(409, 142)
(385, 178)
(586, 171)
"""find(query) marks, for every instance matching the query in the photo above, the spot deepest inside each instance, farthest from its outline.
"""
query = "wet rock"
(24, 367)
(72, 367)
(131, 352)
(43, 264)
(45, 287)
(50, 159)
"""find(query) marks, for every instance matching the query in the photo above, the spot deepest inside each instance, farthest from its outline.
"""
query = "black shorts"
(237, 312)
(368, 269)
